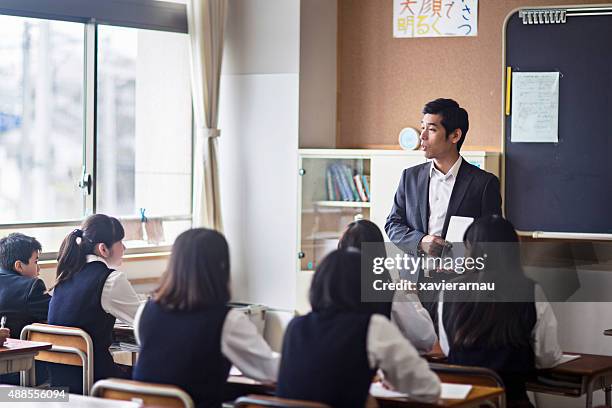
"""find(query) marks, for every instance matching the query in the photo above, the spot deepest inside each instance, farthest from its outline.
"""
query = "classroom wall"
(384, 82)
(318, 72)
(258, 148)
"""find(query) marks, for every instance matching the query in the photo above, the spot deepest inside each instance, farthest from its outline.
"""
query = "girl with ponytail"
(89, 293)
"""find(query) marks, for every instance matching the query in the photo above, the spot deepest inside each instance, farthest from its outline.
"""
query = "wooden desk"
(477, 395)
(124, 333)
(18, 355)
(577, 377)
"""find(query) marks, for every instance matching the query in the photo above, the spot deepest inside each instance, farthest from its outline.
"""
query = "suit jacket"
(23, 300)
(475, 194)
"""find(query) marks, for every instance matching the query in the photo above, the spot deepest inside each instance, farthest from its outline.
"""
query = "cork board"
(383, 82)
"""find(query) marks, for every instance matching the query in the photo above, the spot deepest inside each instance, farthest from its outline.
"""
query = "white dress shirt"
(118, 296)
(413, 321)
(440, 190)
(399, 361)
(242, 345)
(543, 336)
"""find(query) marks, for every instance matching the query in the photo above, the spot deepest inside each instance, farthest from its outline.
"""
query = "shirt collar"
(452, 172)
(93, 258)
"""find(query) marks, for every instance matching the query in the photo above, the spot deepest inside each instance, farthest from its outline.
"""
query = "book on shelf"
(360, 188)
(329, 184)
(366, 184)
(349, 180)
(342, 183)
(339, 177)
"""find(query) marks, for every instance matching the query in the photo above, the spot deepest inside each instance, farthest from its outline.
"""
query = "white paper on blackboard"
(535, 107)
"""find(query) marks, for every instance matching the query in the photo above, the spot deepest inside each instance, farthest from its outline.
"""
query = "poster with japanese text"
(435, 18)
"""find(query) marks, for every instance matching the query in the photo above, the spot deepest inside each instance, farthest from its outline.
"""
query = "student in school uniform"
(188, 335)
(23, 297)
(404, 309)
(90, 293)
(331, 354)
(506, 331)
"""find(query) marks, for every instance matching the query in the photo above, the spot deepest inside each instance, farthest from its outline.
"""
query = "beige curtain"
(206, 23)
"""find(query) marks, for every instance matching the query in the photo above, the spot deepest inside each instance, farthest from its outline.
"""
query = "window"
(133, 135)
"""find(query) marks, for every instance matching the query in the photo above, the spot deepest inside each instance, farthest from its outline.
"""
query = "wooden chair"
(457, 374)
(263, 401)
(71, 346)
(149, 394)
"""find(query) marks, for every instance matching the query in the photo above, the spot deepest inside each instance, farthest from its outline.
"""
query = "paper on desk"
(457, 227)
(449, 391)
(567, 358)
(455, 391)
(378, 391)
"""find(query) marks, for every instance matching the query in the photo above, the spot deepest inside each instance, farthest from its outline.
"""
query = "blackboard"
(564, 186)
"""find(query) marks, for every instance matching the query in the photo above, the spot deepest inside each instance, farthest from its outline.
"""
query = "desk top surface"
(15, 346)
(586, 365)
(478, 393)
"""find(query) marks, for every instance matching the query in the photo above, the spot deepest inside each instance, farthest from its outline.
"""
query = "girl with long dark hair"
(506, 330)
(90, 293)
(188, 335)
(331, 354)
(404, 309)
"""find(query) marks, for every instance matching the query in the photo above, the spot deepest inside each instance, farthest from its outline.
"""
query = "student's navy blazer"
(475, 194)
(23, 300)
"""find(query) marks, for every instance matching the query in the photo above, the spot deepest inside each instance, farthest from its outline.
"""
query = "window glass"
(41, 119)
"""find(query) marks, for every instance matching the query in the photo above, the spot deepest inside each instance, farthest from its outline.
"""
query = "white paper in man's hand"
(457, 227)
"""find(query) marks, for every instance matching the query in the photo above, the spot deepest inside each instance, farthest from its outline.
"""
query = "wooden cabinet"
(324, 212)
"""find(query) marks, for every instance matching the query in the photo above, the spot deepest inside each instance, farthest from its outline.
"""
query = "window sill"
(128, 258)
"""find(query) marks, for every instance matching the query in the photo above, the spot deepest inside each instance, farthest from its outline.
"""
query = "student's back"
(184, 348)
(325, 359)
(76, 303)
(188, 335)
(331, 354)
(513, 360)
(504, 329)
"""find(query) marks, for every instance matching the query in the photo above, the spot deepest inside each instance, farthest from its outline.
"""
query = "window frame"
(141, 14)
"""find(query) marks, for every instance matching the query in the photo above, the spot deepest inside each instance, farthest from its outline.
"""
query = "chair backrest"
(71, 346)
(158, 395)
(461, 374)
(264, 401)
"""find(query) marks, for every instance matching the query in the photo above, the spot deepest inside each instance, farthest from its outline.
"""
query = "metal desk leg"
(607, 389)
(27, 378)
(589, 395)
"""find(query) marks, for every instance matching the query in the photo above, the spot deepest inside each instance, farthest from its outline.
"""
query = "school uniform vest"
(515, 365)
(77, 303)
(325, 359)
(183, 348)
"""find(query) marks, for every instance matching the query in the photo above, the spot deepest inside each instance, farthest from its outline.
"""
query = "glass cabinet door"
(335, 192)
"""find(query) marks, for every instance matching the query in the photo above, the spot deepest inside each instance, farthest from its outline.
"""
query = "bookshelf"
(322, 216)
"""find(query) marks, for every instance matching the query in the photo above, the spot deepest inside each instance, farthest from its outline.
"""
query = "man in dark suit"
(430, 194)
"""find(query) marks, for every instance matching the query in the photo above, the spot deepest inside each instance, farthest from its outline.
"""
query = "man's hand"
(4, 334)
(432, 245)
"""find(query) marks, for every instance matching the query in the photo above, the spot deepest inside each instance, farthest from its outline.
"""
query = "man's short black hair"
(453, 116)
(17, 247)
